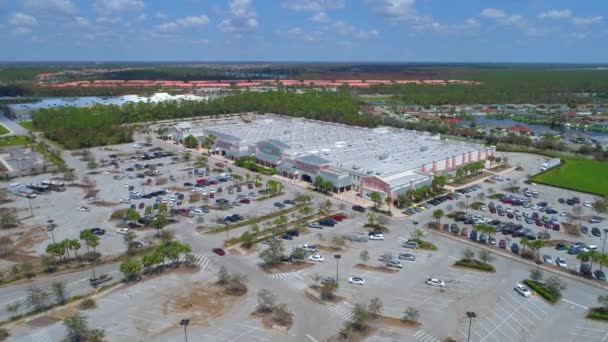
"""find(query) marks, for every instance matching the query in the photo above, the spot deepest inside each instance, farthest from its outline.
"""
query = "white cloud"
(184, 23)
(81, 21)
(161, 15)
(493, 13)
(110, 20)
(19, 31)
(312, 5)
(56, 6)
(576, 35)
(22, 19)
(242, 17)
(350, 30)
(141, 18)
(588, 20)
(472, 22)
(111, 6)
(395, 10)
(320, 17)
(297, 33)
(556, 14)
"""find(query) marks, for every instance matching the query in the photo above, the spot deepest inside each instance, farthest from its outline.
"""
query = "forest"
(102, 125)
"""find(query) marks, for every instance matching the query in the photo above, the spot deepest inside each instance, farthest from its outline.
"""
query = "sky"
(305, 30)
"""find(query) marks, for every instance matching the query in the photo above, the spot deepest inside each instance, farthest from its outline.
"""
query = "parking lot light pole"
(337, 257)
(471, 315)
(185, 322)
(604, 245)
(467, 207)
(51, 227)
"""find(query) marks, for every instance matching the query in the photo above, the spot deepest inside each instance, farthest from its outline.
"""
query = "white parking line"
(605, 337)
(500, 324)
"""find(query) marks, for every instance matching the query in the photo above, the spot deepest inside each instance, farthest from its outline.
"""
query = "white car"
(93, 199)
(376, 237)
(171, 204)
(212, 191)
(126, 185)
(435, 282)
(204, 192)
(522, 290)
(563, 214)
(198, 212)
(482, 208)
(356, 280)
(309, 248)
(316, 258)
(548, 259)
(125, 200)
(83, 208)
(587, 204)
(561, 262)
(535, 207)
(123, 231)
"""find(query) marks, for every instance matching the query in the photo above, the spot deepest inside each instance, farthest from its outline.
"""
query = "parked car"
(502, 244)
(219, 251)
(561, 262)
(327, 223)
(548, 259)
(279, 205)
(407, 256)
(515, 248)
(435, 282)
(376, 237)
(358, 208)
(410, 244)
(595, 231)
(98, 231)
(394, 264)
(585, 270)
(316, 258)
(123, 231)
(356, 280)
(309, 248)
(315, 226)
(523, 290)
(599, 275)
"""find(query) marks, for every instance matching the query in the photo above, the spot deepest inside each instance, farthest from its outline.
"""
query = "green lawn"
(29, 125)
(15, 140)
(3, 129)
(577, 174)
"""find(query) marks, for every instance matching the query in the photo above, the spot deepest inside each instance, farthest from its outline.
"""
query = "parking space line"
(508, 317)
(605, 337)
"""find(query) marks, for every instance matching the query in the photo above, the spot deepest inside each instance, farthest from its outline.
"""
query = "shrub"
(543, 290)
(87, 304)
(475, 264)
(425, 244)
(4, 334)
(598, 313)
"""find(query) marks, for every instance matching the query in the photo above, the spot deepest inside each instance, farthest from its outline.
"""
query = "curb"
(523, 261)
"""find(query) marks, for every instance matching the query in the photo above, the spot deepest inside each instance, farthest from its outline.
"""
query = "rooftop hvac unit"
(383, 157)
(424, 148)
(355, 167)
(370, 172)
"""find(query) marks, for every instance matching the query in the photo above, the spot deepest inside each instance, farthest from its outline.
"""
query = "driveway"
(12, 125)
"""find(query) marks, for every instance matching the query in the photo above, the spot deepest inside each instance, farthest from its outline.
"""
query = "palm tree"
(438, 214)
(524, 243)
(389, 202)
(537, 245)
(584, 257)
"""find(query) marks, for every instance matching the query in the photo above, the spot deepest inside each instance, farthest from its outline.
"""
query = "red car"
(507, 201)
(212, 195)
(502, 244)
(556, 227)
(464, 232)
(142, 205)
(510, 215)
(339, 218)
(245, 201)
(219, 189)
(450, 196)
(219, 251)
(250, 186)
(538, 223)
(201, 181)
(213, 182)
(548, 225)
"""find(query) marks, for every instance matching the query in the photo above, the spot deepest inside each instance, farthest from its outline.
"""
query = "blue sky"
(305, 30)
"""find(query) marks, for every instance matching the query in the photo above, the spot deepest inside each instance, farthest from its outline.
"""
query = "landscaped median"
(475, 264)
(253, 220)
(600, 314)
(544, 290)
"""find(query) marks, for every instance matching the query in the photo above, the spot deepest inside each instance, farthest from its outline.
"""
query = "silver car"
(407, 256)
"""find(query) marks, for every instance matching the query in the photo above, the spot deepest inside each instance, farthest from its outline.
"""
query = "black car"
(561, 200)
(98, 231)
(293, 232)
(595, 231)
(586, 270)
(358, 208)
(237, 217)
(230, 219)
(129, 169)
(515, 248)
(279, 205)
(288, 201)
(446, 227)
(287, 237)
(188, 184)
(599, 275)
(327, 223)
(584, 230)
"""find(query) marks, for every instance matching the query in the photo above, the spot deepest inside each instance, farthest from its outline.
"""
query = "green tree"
(187, 156)
(485, 256)
(266, 300)
(375, 307)
(56, 250)
(74, 244)
(376, 198)
(272, 255)
(328, 290)
(131, 269)
(128, 240)
(159, 223)
(298, 254)
(364, 256)
(536, 275)
(36, 297)
(148, 211)
(58, 289)
(437, 215)
(360, 316)
(603, 300)
(76, 328)
(132, 215)
(411, 314)
(190, 141)
(468, 254)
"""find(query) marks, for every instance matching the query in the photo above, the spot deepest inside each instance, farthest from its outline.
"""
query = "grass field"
(29, 125)
(15, 140)
(3, 130)
(577, 174)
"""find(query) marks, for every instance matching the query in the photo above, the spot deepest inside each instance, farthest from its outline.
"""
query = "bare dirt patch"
(179, 189)
(394, 322)
(194, 197)
(43, 321)
(376, 268)
(282, 267)
(330, 249)
(203, 304)
(354, 335)
(20, 252)
(104, 204)
(268, 321)
(91, 193)
(315, 291)
(571, 229)
(243, 251)
(553, 243)
(161, 181)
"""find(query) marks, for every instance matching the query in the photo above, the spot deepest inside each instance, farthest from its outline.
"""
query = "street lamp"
(51, 227)
(471, 315)
(337, 257)
(604, 245)
(467, 196)
(185, 322)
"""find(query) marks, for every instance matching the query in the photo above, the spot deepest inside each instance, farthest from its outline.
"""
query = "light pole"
(51, 227)
(185, 322)
(471, 315)
(604, 245)
(337, 257)
(93, 277)
(467, 208)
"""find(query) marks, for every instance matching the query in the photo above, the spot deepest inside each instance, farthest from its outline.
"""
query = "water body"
(537, 129)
